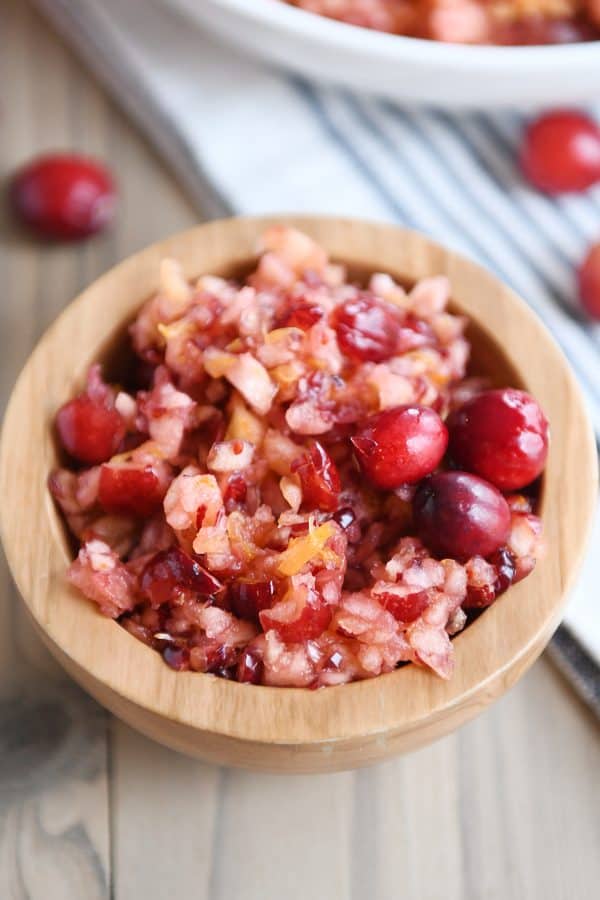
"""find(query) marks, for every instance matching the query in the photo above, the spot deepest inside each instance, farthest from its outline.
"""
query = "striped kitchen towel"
(243, 138)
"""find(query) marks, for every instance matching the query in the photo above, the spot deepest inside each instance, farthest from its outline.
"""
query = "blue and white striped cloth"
(246, 139)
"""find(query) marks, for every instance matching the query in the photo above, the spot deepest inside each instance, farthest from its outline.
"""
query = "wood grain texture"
(292, 729)
(508, 807)
(54, 740)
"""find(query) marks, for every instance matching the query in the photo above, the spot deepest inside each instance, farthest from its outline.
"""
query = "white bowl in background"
(402, 68)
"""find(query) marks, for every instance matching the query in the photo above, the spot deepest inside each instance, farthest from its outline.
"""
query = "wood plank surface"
(509, 807)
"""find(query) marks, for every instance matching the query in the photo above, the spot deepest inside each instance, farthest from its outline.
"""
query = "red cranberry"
(589, 282)
(311, 623)
(458, 515)
(248, 598)
(405, 609)
(400, 445)
(130, 491)
(301, 315)
(501, 435)
(367, 329)
(250, 668)
(561, 152)
(171, 570)
(64, 196)
(89, 429)
(177, 658)
(319, 478)
(506, 569)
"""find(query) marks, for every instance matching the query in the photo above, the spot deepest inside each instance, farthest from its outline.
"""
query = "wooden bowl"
(289, 729)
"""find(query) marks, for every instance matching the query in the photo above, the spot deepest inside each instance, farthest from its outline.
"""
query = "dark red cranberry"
(310, 624)
(89, 429)
(301, 315)
(501, 435)
(130, 491)
(247, 598)
(64, 196)
(177, 658)
(506, 569)
(250, 668)
(458, 515)
(561, 152)
(400, 445)
(367, 328)
(405, 609)
(171, 570)
(589, 282)
(319, 478)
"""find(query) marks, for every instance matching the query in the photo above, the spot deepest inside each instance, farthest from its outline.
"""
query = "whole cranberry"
(501, 435)
(458, 515)
(561, 152)
(64, 196)
(400, 445)
(589, 282)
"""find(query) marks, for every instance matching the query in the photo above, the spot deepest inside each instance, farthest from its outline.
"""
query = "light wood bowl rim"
(504, 640)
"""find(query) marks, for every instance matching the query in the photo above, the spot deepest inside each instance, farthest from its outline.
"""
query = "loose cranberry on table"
(458, 515)
(589, 282)
(561, 152)
(64, 196)
(501, 435)
(400, 445)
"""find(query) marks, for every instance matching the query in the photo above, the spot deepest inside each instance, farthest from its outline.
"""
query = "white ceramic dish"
(404, 69)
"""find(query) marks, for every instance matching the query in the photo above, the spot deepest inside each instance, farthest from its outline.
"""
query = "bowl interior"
(510, 345)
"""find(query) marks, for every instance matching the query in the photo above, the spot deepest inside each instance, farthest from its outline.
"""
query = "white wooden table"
(507, 808)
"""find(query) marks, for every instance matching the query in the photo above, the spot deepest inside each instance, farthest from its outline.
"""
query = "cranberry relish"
(278, 506)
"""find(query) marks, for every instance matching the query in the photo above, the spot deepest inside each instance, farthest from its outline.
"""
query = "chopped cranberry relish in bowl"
(303, 486)
(264, 599)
